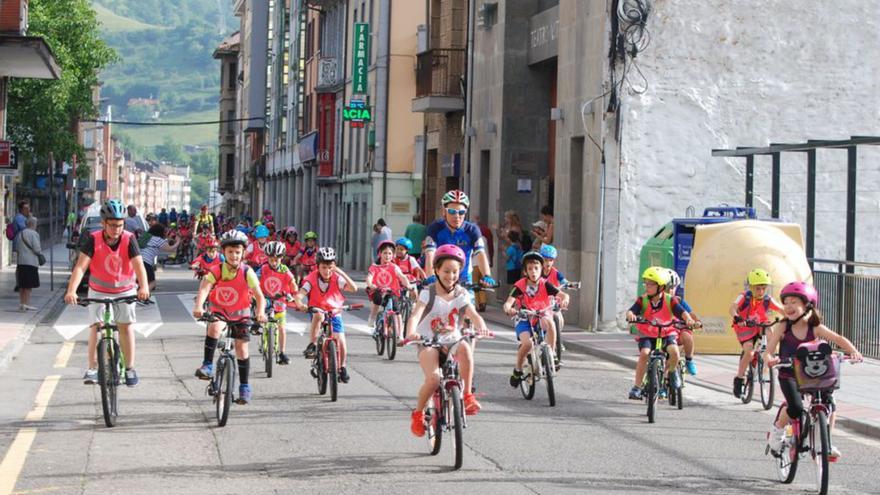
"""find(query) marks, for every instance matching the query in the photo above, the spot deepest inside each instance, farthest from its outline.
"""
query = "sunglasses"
(453, 211)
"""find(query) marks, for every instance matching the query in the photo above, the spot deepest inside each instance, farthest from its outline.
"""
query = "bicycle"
(388, 325)
(809, 433)
(539, 363)
(445, 409)
(222, 385)
(111, 361)
(557, 319)
(269, 334)
(656, 378)
(755, 372)
(325, 365)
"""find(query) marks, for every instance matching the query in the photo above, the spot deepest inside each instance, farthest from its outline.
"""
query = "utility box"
(657, 251)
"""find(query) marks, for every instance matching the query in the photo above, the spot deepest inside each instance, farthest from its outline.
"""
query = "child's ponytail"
(815, 318)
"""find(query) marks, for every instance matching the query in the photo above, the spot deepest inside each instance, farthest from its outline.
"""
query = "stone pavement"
(16, 326)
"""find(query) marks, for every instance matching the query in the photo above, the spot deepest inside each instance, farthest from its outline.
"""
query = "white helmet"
(326, 254)
(274, 248)
(674, 281)
(232, 238)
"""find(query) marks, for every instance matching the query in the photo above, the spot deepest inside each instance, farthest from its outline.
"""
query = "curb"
(42, 316)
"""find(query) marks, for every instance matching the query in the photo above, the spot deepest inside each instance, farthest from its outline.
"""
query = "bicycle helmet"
(112, 209)
(233, 238)
(803, 290)
(211, 243)
(313, 236)
(242, 228)
(326, 254)
(548, 252)
(403, 241)
(532, 255)
(291, 230)
(456, 196)
(448, 251)
(261, 232)
(384, 244)
(674, 280)
(274, 248)
(656, 274)
(759, 276)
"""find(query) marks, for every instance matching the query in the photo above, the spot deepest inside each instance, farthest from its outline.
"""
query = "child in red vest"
(536, 293)
(408, 264)
(754, 304)
(384, 275)
(276, 280)
(209, 259)
(656, 304)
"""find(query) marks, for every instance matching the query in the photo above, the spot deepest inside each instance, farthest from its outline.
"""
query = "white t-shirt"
(444, 315)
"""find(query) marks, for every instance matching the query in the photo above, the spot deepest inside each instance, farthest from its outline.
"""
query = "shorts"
(336, 323)
(281, 318)
(648, 342)
(151, 272)
(522, 326)
(753, 339)
(120, 313)
(240, 331)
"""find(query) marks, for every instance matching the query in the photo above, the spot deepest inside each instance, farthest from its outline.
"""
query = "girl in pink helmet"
(440, 310)
(802, 323)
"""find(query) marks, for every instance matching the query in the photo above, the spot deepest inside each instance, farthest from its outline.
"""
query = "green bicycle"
(111, 361)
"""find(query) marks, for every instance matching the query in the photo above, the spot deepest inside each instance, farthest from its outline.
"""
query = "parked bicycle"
(222, 385)
(445, 410)
(325, 366)
(758, 371)
(111, 361)
(557, 318)
(656, 379)
(539, 362)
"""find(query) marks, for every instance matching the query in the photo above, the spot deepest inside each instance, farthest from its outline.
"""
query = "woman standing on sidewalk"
(27, 275)
(155, 244)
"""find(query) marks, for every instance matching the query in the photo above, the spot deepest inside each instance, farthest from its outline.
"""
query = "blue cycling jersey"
(468, 237)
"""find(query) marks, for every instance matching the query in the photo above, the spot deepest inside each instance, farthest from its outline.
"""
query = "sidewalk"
(858, 409)
(16, 326)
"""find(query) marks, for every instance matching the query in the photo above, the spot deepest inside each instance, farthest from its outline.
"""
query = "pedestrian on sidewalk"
(27, 275)
(416, 232)
(514, 254)
(151, 249)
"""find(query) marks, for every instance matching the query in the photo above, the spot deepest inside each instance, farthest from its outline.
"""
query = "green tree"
(200, 191)
(171, 151)
(41, 112)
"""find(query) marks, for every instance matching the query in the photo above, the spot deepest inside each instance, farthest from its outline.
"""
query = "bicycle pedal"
(209, 391)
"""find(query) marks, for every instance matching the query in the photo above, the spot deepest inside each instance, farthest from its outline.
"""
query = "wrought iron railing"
(849, 298)
(439, 71)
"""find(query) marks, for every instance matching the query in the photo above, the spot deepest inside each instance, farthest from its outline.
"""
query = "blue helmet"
(261, 232)
(113, 209)
(403, 241)
(548, 252)
(243, 229)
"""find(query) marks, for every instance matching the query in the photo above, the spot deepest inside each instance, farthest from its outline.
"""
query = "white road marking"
(78, 318)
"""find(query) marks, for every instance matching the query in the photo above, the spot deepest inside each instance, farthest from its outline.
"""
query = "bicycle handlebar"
(757, 324)
(85, 301)
(680, 325)
(214, 317)
(347, 307)
(434, 342)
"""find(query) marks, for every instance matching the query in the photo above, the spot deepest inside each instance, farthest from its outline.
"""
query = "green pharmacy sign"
(358, 113)
(360, 60)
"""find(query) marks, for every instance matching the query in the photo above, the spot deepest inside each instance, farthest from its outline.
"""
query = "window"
(233, 73)
(230, 116)
(230, 169)
(310, 41)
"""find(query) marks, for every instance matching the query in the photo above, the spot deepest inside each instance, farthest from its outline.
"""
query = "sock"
(244, 366)
(210, 346)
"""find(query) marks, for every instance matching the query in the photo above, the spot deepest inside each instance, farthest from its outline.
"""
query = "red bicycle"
(388, 325)
(325, 366)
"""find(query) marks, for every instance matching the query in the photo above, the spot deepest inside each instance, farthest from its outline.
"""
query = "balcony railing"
(849, 301)
(439, 71)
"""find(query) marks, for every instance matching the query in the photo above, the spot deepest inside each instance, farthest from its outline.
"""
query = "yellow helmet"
(759, 276)
(656, 274)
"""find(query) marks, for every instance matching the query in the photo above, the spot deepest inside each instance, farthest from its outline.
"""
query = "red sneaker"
(417, 426)
(471, 405)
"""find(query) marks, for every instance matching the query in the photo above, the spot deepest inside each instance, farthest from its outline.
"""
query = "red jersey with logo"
(257, 256)
(535, 298)
(385, 277)
(751, 308)
(662, 314)
(409, 266)
(231, 297)
(309, 259)
(111, 271)
(276, 283)
(329, 300)
(204, 264)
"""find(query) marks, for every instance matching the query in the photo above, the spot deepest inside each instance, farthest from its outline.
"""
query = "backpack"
(10, 231)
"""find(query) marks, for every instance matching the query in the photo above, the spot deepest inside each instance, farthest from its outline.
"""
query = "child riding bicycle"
(276, 281)
(685, 334)
(323, 289)
(440, 310)
(407, 264)
(656, 304)
(754, 305)
(229, 287)
(384, 280)
(533, 292)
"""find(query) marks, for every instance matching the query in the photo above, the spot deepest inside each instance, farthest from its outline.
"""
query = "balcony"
(439, 82)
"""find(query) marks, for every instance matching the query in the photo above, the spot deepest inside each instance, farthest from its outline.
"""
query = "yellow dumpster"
(723, 255)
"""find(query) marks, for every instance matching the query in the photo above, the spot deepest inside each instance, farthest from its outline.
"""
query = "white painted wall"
(723, 74)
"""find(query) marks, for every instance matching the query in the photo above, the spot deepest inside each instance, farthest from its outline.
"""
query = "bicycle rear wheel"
(767, 383)
(332, 370)
(749, 385)
(527, 384)
(108, 377)
(549, 370)
(559, 346)
(457, 425)
(391, 343)
(225, 382)
(434, 418)
(679, 392)
(269, 343)
(820, 449)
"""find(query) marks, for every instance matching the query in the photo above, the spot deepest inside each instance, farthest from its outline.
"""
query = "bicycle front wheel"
(653, 388)
(749, 385)
(559, 346)
(269, 343)
(457, 420)
(223, 395)
(321, 373)
(380, 338)
(527, 384)
(434, 418)
(108, 378)
(547, 364)
(820, 449)
(391, 343)
(332, 370)
(767, 383)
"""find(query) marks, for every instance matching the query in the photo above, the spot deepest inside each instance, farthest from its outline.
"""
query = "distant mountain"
(166, 68)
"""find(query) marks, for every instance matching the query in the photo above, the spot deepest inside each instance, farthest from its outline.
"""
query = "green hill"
(112, 23)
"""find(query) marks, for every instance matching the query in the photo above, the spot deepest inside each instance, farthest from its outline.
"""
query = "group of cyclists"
(251, 272)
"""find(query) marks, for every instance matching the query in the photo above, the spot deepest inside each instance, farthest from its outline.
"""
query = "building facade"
(229, 169)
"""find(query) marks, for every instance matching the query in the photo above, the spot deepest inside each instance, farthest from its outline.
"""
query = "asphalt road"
(291, 440)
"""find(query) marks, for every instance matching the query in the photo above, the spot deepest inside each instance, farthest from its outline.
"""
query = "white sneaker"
(91, 376)
(775, 438)
(834, 454)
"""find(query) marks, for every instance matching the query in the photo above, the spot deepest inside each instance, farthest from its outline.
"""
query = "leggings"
(793, 399)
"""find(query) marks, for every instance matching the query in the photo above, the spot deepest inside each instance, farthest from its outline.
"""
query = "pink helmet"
(802, 290)
(448, 251)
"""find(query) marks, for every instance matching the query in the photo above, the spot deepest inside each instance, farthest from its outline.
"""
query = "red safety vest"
(553, 277)
(231, 297)
(538, 302)
(309, 260)
(258, 256)
(662, 315)
(330, 300)
(385, 277)
(405, 265)
(206, 265)
(111, 272)
(275, 283)
(291, 250)
(751, 309)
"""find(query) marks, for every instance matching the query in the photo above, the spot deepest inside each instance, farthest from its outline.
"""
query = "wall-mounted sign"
(360, 60)
(8, 156)
(357, 113)
(543, 35)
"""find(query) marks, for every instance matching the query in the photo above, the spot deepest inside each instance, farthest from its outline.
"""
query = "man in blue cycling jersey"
(454, 229)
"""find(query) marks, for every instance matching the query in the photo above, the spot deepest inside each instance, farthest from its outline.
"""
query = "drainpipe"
(382, 88)
(468, 94)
